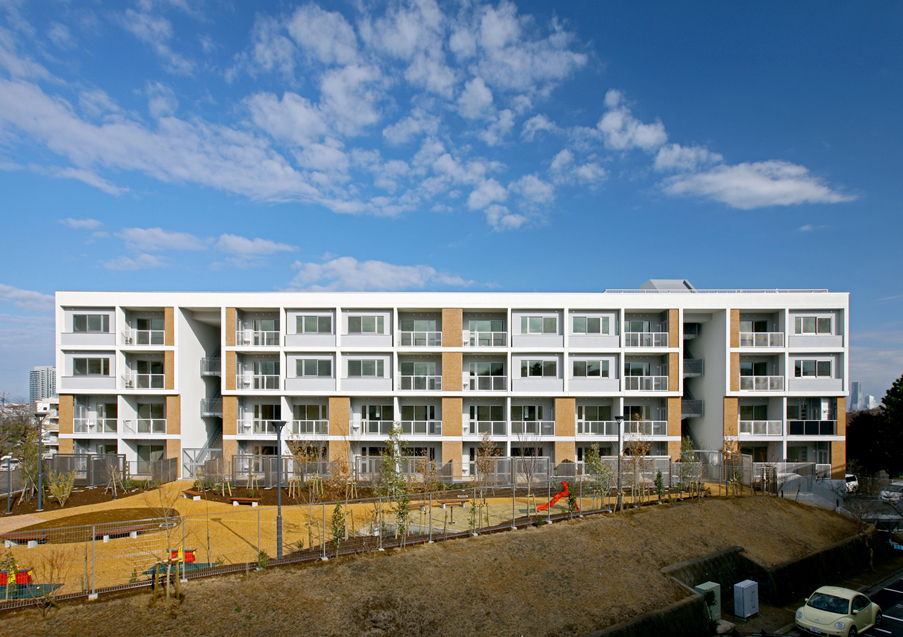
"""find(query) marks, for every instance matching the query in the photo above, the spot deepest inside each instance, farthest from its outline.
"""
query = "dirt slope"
(565, 579)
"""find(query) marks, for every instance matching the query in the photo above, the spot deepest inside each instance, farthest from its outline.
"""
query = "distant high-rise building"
(872, 402)
(42, 383)
(856, 398)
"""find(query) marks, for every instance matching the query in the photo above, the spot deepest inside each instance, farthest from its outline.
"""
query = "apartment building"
(153, 375)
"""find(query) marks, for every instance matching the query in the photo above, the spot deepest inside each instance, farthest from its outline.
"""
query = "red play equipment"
(561, 494)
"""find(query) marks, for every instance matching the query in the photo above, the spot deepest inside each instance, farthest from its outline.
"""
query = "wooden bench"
(444, 503)
(121, 531)
(32, 538)
(252, 501)
(191, 493)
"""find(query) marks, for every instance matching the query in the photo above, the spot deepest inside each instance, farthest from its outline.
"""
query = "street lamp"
(279, 424)
(39, 416)
(620, 420)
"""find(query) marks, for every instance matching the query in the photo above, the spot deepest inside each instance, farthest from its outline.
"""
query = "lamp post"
(279, 424)
(40, 418)
(620, 420)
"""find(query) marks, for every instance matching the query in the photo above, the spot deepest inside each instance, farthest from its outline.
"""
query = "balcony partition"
(812, 427)
(597, 428)
(310, 427)
(646, 383)
(533, 427)
(421, 427)
(645, 427)
(761, 428)
(491, 427)
(762, 383)
(645, 339)
(143, 337)
(144, 381)
(420, 383)
(761, 339)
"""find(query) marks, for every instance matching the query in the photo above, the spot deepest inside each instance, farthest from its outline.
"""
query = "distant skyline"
(513, 146)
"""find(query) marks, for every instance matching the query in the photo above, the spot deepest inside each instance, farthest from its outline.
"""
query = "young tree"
(599, 473)
(391, 482)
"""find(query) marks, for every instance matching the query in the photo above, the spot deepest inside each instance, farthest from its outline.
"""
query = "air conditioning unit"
(129, 384)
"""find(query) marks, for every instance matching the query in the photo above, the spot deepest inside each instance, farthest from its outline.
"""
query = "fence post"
(184, 522)
(258, 534)
(94, 562)
(431, 518)
(513, 504)
(323, 533)
(380, 522)
(549, 493)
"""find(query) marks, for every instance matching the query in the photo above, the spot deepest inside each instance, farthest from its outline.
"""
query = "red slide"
(561, 494)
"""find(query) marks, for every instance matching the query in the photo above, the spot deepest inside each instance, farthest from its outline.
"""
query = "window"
(378, 412)
(418, 412)
(366, 324)
(753, 369)
(813, 325)
(146, 324)
(639, 326)
(314, 367)
(590, 325)
(314, 325)
(598, 369)
(267, 412)
(538, 325)
(365, 367)
(753, 326)
(548, 369)
(151, 411)
(487, 326)
(487, 369)
(753, 412)
(266, 368)
(418, 325)
(91, 367)
(91, 323)
(637, 412)
(309, 412)
(636, 369)
(418, 369)
(812, 369)
(149, 367)
(594, 413)
(487, 413)
(527, 413)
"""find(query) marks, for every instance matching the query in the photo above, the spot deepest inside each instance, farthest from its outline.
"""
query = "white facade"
(151, 374)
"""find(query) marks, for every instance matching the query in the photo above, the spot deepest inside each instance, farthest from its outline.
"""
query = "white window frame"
(104, 366)
(799, 326)
(301, 367)
(799, 369)
(379, 324)
(604, 368)
(104, 323)
(544, 328)
(529, 364)
(378, 367)
(301, 321)
(604, 325)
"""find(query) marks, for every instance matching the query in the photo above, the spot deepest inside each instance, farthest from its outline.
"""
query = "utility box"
(715, 606)
(746, 598)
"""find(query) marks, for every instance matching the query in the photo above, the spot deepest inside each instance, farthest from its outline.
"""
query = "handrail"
(421, 427)
(492, 427)
(533, 427)
(761, 339)
(420, 382)
(487, 383)
(143, 337)
(315, 427)
(419, 338)
(646, 383)
(761, 428)
(762, 383)
(485, 339)
(645, 339)
(144, 381)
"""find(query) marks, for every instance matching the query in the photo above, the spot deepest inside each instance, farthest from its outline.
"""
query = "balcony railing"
(377, 426)
(257, 381)
(645, 427)
(257, 427)
(143, 337)
(761, 428)
(94, 425)
(211, 407)
(762, 383)
(420, 383)
(694, 367)
(421, 427)
(491, 427)
(533, 427)
(488, 383)
(310, 427)
(486, 339)
(761, 339)
(420, 339)
(257, 338)
(692, 408)
(144, 381)
(145, 426)
(646, 383)
(645, 339)
(812, 427)
(211, 366)
(597, 428)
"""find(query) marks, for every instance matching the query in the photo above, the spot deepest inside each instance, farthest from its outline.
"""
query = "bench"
(32, 538)
(444, 503)
(191, 493)
(121, 531)
(252, 501)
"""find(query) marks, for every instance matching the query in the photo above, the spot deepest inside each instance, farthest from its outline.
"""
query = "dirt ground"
(564, 579)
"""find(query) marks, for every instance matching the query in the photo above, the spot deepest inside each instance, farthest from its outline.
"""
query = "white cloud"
(155, 30)
(489, 191)
(500, 218)
(161, 100)
(591, 173)
(536, 124)
(59, 34)
(27, 299)
(156, 239)
(534, 189)
(349, 97)
(622, 131)
(562, 160)
(325, 35)
(805, 228)
(476, 99)
(292, 119)
(498, 129)
(685, 158)
(419, 122)
(81, 224)
(755, 185)
(235, 244)
(141, 261)
(18, 66)
(90, 178)
(347, 273)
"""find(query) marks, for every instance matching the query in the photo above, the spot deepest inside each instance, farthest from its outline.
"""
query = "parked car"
(9, 464)
(841, 612)
(852, 483)
(893, 492)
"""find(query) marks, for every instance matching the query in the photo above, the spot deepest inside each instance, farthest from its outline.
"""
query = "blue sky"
(579, 146)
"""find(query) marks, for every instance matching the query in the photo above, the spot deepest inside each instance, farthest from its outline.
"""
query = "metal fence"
(91, 470)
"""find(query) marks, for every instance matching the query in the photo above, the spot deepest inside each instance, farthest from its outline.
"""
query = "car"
(852, 483)
(9, 464)
(893, 492)
(836, 611)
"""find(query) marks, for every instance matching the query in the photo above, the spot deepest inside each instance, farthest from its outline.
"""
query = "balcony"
(256, 427)
(95, 425)
(762, 383)
(645, 383)
(420, 383)
(491, 427)
(761, 339)
(419, 339)
(212, 408)
(761, 428)
(257, 338)
(485, 339)
(694, 367)
(421, 427)
(144, 426)
(645, 427)
(257, 381)
(144, 381)
(812, 427)
(533, 427)
(597, 428)
(383, 427)
(487, 383)
(310, 427)
(143, 337)
(645, 339)
(211, 366)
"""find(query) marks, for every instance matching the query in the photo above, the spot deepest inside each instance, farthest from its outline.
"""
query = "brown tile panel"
(174, 415)
(338, 450)
(230, 370)
(169, 326)
(674, 450)
(735, 328)
(452, 452)
(339, 415)
(67, 445)
(565, 451)
(838, 449)
(452, 327)
(174, 450)
(230, 416)
(565, 421)
(731, 410)
(674, 371)
(169, 369)
(452, 366)
(452, 415)
(230, 448)
(735, 371)
(674, 412)
(231, 324)
(66, 414)
(674, 328)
